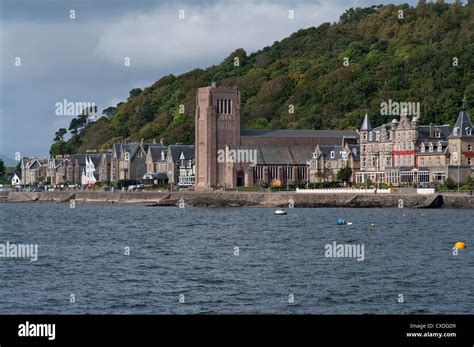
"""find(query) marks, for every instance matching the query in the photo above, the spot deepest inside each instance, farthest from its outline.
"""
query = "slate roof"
(299, 133)
(463, 123)
(155, 151)
(280, 155)
(366, 126)
(424, 132)
(175, 151)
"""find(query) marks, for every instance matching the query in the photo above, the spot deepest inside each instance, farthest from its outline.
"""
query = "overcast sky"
(82, 59)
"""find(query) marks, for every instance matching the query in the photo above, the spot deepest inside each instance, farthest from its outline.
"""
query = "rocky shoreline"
(247, 199)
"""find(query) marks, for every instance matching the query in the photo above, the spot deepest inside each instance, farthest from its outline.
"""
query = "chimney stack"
(431, 130)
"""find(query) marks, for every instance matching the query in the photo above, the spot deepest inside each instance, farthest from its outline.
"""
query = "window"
(364, 162)
(438, 161)
(399, 162)
(332, 154)
(422, 161)
(468, 131)
(431, 147)
(469, 161)
(364, 148)
(437, 133)
(389, 161)
(440, 147)
(370, 136)
(423, 176)
(422, 148)
(469, 148)
(377, 136)
(364, 136)
(456, 131)
(375, 162)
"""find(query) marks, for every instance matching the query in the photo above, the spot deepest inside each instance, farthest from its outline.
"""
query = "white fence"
(344, 191)
(425, 191)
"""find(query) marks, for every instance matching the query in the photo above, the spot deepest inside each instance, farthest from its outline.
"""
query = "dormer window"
(456, 132)
(370, 136)
(162, 155)
(468, 131)
(437, 133)
(364, 136)
(377, 136)
(440, 147)
(315, 155)
(431, 147)
(332, 154)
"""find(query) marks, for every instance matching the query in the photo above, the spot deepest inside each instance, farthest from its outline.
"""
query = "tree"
(2, 171)
(344, 174)
(74, 126)
(59, 135)
(57, 148)
(109, 112)
(135, 92)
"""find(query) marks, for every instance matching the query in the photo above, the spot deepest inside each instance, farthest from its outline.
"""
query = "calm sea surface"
(190, 254)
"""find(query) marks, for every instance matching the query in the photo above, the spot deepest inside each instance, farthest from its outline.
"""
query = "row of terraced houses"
(153, 163)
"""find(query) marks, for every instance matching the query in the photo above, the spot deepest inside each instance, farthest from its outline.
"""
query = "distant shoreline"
(248, 199)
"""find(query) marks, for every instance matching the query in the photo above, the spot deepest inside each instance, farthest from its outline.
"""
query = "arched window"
(437, 133)
(332, 154)
(468, 131)
(431, 147)
(422, 148)
(440, 147)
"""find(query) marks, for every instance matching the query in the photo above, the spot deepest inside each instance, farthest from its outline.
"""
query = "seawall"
(238, 199)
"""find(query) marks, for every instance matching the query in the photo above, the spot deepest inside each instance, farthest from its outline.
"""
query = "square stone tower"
(217, 126)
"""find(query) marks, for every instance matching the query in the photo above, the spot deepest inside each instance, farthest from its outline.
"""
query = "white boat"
(280, 212)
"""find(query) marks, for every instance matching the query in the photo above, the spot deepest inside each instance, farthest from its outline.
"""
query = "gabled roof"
(155, 152)
(463, 123)
(175, 151)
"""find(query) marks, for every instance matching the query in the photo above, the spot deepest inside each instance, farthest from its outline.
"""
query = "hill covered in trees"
(330, 74)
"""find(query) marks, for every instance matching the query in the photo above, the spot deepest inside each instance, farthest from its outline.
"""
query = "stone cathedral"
(228, 157)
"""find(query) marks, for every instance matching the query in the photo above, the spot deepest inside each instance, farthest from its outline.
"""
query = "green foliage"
(389, 58)
(449, 184)
(344, 174)
(57, 148)
(2, 171)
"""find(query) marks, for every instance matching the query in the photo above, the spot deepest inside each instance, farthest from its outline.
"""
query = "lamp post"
(307, 174)
(459, 160)
(287, 175)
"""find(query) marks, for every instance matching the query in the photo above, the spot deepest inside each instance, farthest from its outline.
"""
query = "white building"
(87, 176)
(16, 180)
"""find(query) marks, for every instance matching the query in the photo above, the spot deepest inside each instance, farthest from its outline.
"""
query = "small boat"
(280, 212)
(340, 221)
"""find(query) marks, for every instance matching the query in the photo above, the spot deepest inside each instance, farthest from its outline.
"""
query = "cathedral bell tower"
(217, 126)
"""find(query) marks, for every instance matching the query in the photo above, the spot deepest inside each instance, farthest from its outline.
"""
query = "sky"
(46, 56)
